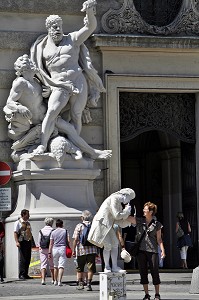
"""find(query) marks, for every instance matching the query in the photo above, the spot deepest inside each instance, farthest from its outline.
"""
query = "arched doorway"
(169, 107)
(161, 168)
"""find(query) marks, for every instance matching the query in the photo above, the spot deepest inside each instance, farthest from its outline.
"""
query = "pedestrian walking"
(57, 249)
(85, 254)
(44, 242)
(183, 239)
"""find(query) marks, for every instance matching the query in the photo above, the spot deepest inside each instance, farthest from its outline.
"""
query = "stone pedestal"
(194, 289)
(46, 190)
(112, 286)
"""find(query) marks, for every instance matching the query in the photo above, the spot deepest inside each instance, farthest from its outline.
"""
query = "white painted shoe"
(107, 270)
(55, 282)
(118, 270)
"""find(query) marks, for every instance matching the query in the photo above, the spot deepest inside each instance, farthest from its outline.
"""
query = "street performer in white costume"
(102, 233)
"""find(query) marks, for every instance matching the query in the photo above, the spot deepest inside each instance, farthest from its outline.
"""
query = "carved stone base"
(52, 192)
(112, 286)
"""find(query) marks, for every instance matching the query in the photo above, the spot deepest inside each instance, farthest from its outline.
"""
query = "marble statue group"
(55, 87)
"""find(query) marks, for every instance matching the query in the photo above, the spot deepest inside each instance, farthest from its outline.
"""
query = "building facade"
(147, 55)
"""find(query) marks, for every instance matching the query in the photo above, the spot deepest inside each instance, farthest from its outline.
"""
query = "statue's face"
(125, 199)
(56, 32)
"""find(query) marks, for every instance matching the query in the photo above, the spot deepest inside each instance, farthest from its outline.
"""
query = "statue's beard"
(56, 37)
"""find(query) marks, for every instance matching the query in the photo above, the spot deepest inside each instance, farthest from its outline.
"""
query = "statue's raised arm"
(90, 22)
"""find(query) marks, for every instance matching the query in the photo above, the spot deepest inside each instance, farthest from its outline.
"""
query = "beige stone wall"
(21, 22)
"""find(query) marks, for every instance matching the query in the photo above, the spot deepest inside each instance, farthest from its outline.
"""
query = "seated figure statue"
(25, 110)
(65, 67)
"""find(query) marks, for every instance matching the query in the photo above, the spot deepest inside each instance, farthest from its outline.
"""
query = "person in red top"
(2, 230)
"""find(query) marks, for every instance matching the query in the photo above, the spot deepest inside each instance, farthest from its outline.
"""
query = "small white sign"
(5, 199)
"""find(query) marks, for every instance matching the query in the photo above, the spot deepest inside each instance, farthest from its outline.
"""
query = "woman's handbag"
(68, 248)
(135, 246)
(68, 252)
(179, 232)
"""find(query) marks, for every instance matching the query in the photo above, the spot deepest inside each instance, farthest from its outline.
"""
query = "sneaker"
(52, 281)
(147, 297)
(55, 282)
(89, 288)
(60, 284)
(157, 297)
(107, 270)
(118, 270)
(43, 283)
(80, 286)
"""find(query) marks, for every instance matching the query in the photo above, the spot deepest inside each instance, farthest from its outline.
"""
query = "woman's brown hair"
(152, 207)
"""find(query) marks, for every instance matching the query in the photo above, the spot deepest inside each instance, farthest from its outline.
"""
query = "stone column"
(172, 199)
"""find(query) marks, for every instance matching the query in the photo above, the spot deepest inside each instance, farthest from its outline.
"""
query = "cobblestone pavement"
(174, 286)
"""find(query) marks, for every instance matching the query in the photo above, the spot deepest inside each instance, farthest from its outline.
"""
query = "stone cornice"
(41, 6)
(136, 41)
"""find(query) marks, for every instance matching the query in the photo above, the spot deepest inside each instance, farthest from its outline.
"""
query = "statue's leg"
(78, 103)
(57, 101)
(69, 129)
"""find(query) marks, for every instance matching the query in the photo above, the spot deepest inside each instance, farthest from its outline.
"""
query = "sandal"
(157, 297)
(147, 297)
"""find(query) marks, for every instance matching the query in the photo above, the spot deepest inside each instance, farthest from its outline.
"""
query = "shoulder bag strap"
(142, 236)
(67, 244)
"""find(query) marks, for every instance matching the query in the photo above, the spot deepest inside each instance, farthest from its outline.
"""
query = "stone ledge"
(39, 7)
(134, 41)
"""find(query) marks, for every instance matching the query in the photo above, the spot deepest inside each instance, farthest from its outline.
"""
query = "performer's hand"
(128, 208)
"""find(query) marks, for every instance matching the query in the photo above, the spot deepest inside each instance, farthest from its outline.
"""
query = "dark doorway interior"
(141, 169)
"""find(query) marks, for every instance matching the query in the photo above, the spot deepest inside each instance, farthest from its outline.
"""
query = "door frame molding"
(116, 83)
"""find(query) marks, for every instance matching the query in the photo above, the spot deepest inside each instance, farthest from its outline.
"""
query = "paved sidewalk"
(174, 286)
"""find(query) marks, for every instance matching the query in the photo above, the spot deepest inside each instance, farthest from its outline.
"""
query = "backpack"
(45, 240)
(84, 235)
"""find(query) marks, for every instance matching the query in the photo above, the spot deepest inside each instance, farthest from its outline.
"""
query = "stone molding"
(40, 7)
(128, 20)
(172, 113)
(134, 41)
(116, 83)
